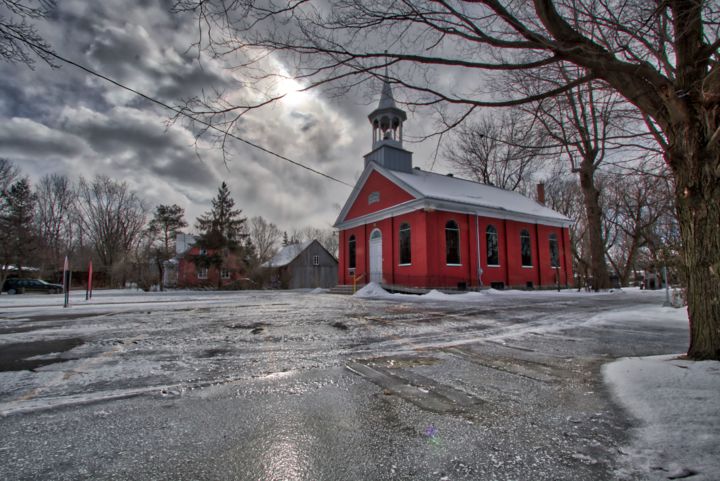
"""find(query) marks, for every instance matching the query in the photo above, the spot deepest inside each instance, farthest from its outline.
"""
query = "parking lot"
(305, 385)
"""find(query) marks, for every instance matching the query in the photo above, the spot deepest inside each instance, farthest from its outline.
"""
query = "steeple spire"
(387, 119)
(387, 133)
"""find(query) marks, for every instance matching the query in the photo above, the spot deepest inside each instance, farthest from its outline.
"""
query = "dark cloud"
(63, 120)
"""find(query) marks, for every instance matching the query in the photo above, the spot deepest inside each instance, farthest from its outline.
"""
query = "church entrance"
(376, 256)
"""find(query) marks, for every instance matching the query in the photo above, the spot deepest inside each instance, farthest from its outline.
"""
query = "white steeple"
(387, 133)
(387, 119)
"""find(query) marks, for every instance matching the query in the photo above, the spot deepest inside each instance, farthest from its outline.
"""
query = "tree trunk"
(591, 198)
(698, 204)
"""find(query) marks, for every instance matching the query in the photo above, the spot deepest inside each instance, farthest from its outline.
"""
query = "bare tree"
(112, 217)
(19, 39)
(584, 124)
(264, 236)
(499, 150)
(53, 218)
(328, 238)
(661, 57)
(635, 205)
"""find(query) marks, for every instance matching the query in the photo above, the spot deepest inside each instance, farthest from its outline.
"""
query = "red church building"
(402, 226)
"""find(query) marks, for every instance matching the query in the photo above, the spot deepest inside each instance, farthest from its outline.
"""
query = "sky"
(64, 121)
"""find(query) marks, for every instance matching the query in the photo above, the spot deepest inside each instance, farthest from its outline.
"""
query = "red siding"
(494, 273)
(390, 195)
(428, 267)
(187, 271)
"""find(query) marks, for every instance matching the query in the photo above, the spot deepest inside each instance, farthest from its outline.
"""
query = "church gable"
(377, 193)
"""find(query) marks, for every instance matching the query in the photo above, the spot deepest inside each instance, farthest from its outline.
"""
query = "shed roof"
(287, 254)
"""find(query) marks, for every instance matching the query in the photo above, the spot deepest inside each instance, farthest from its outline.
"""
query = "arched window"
(491, 244)
(554, 252)
(351, 252)
(525, 249)
(452, 243)
(405, 256)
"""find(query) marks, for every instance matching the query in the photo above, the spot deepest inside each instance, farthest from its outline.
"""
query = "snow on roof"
(453, 189)
(287, 254)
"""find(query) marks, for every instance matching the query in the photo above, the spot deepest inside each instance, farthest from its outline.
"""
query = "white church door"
(376, 256)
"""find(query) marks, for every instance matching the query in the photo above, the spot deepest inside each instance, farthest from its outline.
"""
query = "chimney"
(541, 193)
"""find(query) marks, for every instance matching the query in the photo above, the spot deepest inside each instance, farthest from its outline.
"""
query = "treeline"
(104, 221)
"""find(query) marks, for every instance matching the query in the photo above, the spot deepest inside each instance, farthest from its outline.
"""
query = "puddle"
(15, 357)
(400, 362)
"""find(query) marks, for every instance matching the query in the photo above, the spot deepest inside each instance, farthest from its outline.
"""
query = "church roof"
(454, 194)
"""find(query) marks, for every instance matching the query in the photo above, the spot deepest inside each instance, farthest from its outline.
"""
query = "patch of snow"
(676, 402)
(318, 290)
(374, 291)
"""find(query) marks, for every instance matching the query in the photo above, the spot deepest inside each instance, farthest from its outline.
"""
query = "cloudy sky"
(66, 121)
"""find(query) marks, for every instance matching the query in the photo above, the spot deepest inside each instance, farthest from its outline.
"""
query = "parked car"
(19, 286)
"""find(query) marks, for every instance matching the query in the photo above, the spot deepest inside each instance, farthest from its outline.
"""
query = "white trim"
(404, 265)
(369, 169)
(495, 265)
(457, 208)
(454, 265)
(528, 267)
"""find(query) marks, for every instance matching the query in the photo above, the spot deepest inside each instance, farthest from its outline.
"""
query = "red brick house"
(190, 269)
(402, 226)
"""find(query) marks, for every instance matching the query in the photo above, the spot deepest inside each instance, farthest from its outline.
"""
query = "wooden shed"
(306, 265)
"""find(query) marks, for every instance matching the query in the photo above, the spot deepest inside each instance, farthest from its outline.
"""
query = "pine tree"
(166, 222)
(285, 240)
(17, 238)
(222, 229)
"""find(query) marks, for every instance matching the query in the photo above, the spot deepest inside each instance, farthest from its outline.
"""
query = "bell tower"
(387, 134)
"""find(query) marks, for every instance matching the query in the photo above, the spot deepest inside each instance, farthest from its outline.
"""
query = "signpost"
(66, 282)
(88, 291)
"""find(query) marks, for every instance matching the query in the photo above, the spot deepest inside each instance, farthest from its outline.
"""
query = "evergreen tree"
(222, 230)
(166, 222)
(285, 240)
(17, 237)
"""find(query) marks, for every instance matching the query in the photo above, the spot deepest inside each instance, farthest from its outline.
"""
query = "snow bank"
(373, 290)
(677, 404)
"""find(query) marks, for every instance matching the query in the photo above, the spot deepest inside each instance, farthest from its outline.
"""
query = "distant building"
(190, 267)
(306, 265)
(402, 226)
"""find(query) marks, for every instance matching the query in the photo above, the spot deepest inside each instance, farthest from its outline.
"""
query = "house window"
(202, 272)
(351, 252)
(554, 252)
(525, 249)
(316, 260)
(452, 243)
(224, 274)
(405, 257)
(203, 252)
(491, 246)
(373, 197)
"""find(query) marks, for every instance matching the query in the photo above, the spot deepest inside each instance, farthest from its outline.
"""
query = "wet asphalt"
(292, 386)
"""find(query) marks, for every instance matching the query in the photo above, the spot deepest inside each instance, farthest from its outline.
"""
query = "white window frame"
(224, 273)
(316, 260)
(203, 252)
(202, 273)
